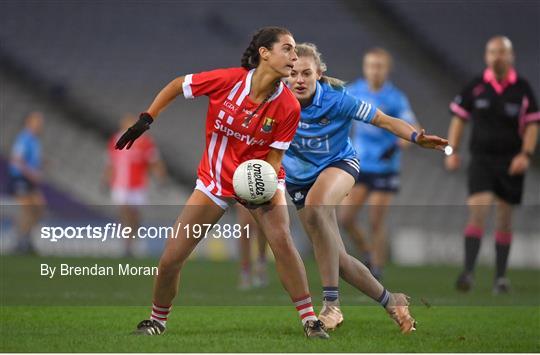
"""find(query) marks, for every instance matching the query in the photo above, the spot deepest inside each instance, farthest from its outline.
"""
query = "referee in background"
(504, 116)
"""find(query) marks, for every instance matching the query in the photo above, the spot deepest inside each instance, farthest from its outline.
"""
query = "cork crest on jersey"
(236, 120)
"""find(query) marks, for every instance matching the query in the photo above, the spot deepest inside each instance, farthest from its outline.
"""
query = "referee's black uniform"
(499, 113)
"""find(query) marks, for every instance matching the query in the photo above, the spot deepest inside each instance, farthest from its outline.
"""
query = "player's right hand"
(452, 162)
(134, 131)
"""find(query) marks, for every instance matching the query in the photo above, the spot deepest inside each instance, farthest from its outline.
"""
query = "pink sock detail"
(473, 232)
(504, 238)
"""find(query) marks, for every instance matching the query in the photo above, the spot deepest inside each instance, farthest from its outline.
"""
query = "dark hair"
(264, 37)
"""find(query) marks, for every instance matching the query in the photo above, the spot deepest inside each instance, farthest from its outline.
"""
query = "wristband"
(413, 136)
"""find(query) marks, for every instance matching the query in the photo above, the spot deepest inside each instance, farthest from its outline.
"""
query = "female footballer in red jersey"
(251, 115)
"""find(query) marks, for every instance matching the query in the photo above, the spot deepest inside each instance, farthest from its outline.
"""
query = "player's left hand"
(431, 142)
(135, 131)
(520, 164)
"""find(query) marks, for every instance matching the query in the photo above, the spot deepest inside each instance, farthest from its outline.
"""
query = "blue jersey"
(377, 148)
(27, 148)
(323, 133)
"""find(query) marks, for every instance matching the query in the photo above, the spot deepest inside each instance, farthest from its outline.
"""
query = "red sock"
(305, 308)
(160, 313)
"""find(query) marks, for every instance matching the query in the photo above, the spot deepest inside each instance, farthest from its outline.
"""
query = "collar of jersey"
(490, 78)
(317, 98)
(247, 87)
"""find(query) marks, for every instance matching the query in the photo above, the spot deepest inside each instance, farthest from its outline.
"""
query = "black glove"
(134, 131)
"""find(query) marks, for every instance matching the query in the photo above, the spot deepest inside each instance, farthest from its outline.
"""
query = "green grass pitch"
(86, 314)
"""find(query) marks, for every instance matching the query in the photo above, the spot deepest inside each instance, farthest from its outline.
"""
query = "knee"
(170, 266)
(344, 262)
(281, 242)
(315, 216)
(476, 221)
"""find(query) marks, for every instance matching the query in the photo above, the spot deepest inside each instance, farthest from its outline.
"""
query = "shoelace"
(315, 324)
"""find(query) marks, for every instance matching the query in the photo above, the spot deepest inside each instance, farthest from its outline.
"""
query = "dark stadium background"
(85, 63)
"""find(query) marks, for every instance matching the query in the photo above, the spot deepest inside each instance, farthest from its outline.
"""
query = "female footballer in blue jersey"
(321, 168)
(380, 154)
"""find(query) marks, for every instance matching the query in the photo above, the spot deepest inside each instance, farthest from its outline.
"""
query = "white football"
(255, 181)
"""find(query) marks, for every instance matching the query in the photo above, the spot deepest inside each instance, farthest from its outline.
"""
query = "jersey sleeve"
(405, 111)
(207, 83)
(286, 130)
(530, 106)
(19, 147)
(356, 109)
(462, 104)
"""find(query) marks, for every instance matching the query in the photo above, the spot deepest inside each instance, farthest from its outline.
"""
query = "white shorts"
(132, 197)
(226, 202)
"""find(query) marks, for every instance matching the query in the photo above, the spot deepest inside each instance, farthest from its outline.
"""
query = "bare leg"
(348, 212)
(331, 187)
(378, 208)
(354, 272)
(273, 220)
(31, 210)
(130, 217)
(479, 207)
(200, 210)
(244, 218)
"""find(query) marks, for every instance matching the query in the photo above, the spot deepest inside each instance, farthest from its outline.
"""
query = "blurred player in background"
(379, 152)
(126, 173)
(251, 115)
(504, 116)
(25, 177)
(252, 274)
(321, 168)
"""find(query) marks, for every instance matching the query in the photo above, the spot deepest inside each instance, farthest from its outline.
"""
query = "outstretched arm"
(164, 98)
(404, 130)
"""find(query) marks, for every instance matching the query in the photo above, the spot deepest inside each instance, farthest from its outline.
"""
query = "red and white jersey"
(130, 166)
(228, 142)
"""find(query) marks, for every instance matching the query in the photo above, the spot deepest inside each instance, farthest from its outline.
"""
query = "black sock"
(472, 247)
(501, 251)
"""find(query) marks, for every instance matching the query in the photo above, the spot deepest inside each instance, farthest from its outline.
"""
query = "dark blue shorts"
(388, 182)
(20, 186)
(299, 193)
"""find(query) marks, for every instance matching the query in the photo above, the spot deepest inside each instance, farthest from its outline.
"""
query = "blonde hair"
(310, 50)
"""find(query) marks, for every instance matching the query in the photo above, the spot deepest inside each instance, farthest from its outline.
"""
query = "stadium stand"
(112, 57)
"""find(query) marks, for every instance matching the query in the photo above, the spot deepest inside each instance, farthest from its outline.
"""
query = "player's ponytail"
(310, 50)
(264, 37)
(333, 82)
